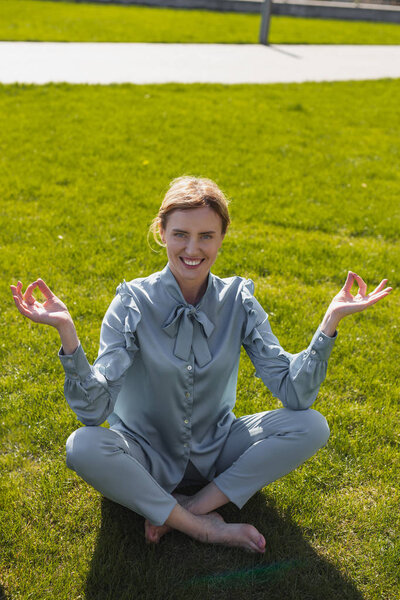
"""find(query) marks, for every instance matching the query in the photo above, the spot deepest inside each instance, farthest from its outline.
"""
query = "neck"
(193, 293)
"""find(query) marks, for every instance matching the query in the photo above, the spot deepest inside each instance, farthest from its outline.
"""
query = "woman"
(165, 380)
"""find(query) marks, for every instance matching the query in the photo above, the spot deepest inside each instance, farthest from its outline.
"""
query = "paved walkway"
(42, 62)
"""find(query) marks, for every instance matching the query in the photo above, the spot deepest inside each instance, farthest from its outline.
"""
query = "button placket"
(187, 414)
(189, 401)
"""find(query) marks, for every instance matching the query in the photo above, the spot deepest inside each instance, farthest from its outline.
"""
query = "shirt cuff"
(321, 345)
(75, 365)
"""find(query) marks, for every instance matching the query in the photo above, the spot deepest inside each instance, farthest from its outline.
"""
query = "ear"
(162, 234)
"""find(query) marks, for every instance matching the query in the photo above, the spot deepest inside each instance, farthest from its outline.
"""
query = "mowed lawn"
(35, 20)
(312, 173)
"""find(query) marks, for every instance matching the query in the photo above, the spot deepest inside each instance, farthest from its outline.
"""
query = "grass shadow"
(2, 594)
(125, 567)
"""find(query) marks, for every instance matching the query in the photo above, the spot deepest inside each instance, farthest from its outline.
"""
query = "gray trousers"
(259, 449)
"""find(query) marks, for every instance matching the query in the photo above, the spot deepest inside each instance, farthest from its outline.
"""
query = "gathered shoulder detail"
(133, 315)
(255, 314)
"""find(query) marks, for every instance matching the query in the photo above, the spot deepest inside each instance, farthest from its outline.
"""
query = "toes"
(261, 542)
(155, 532)
(152, 537)
(150, 532)
(258, 546)
(257, 539)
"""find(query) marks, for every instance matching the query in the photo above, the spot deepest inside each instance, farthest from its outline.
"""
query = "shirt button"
(320, 339)
(187, 395)
(312, 351)
(189, 367)
(185, 445)
(186, 420)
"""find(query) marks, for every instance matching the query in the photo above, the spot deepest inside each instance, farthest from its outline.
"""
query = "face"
(193, 238)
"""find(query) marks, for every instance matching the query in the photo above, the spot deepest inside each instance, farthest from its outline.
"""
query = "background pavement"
(106, 63)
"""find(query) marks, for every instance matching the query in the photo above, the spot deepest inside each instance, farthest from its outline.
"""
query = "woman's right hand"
(52, 312)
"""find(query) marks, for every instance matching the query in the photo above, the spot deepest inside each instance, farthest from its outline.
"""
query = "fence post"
(265, 19)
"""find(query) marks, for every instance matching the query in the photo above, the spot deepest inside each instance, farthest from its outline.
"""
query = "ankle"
(206, 500)
(193, 505)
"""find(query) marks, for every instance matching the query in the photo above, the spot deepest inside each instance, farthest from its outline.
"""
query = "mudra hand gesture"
(52, 312)
(344, 303)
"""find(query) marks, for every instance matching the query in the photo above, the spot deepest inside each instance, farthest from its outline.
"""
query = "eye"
(207, 236)
(179, 234)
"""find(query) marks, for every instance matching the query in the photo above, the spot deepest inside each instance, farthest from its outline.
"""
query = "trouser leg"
(263, 447)
(116, 466)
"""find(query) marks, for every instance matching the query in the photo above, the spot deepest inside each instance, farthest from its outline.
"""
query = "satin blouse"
(166, 371)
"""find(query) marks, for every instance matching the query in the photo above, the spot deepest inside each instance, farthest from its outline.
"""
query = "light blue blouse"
(166, 372)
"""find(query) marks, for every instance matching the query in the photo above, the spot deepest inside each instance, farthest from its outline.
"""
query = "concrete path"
(42, 62)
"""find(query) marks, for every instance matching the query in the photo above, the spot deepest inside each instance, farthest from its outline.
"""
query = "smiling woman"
(192, 238)
(166, 374)
(191, 223)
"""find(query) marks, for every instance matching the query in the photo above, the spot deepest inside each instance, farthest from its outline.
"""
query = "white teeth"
(191, 263)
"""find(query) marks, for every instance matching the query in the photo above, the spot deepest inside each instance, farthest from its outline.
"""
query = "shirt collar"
(167, 278)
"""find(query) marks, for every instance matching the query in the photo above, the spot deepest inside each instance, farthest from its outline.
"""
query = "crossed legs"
(259, 449)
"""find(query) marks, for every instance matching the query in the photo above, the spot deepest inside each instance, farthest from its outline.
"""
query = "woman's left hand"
(344, 303)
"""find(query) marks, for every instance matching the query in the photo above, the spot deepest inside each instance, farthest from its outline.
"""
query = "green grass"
(34, 20)
(312, 173)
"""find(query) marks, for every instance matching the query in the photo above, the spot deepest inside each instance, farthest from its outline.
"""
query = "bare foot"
(216, 531)
(153, 533)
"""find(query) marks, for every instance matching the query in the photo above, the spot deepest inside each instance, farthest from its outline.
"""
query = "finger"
(377, 297)
(349, 281)
(14, 291)
(361, 284)
(28, 297)
(379, 287)
(48, 294)
(386, 290)
(19, 289)
(22, 308)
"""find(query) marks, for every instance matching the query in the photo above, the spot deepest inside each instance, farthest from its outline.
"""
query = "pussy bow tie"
(191, 328)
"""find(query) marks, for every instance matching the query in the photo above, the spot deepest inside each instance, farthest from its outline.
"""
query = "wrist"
(68, 335)
(65, 325)
(329, 324)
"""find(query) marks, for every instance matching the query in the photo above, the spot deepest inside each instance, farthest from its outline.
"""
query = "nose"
(192, 249)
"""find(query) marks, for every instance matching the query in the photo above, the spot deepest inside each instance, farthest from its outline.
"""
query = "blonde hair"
(190, 192)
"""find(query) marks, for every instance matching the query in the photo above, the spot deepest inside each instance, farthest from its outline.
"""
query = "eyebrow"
(183, 231)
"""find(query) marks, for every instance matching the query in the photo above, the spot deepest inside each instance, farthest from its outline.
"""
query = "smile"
(191, 262)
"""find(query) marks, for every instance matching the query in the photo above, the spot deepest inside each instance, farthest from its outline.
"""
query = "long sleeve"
(294, 379)
(91, 391)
